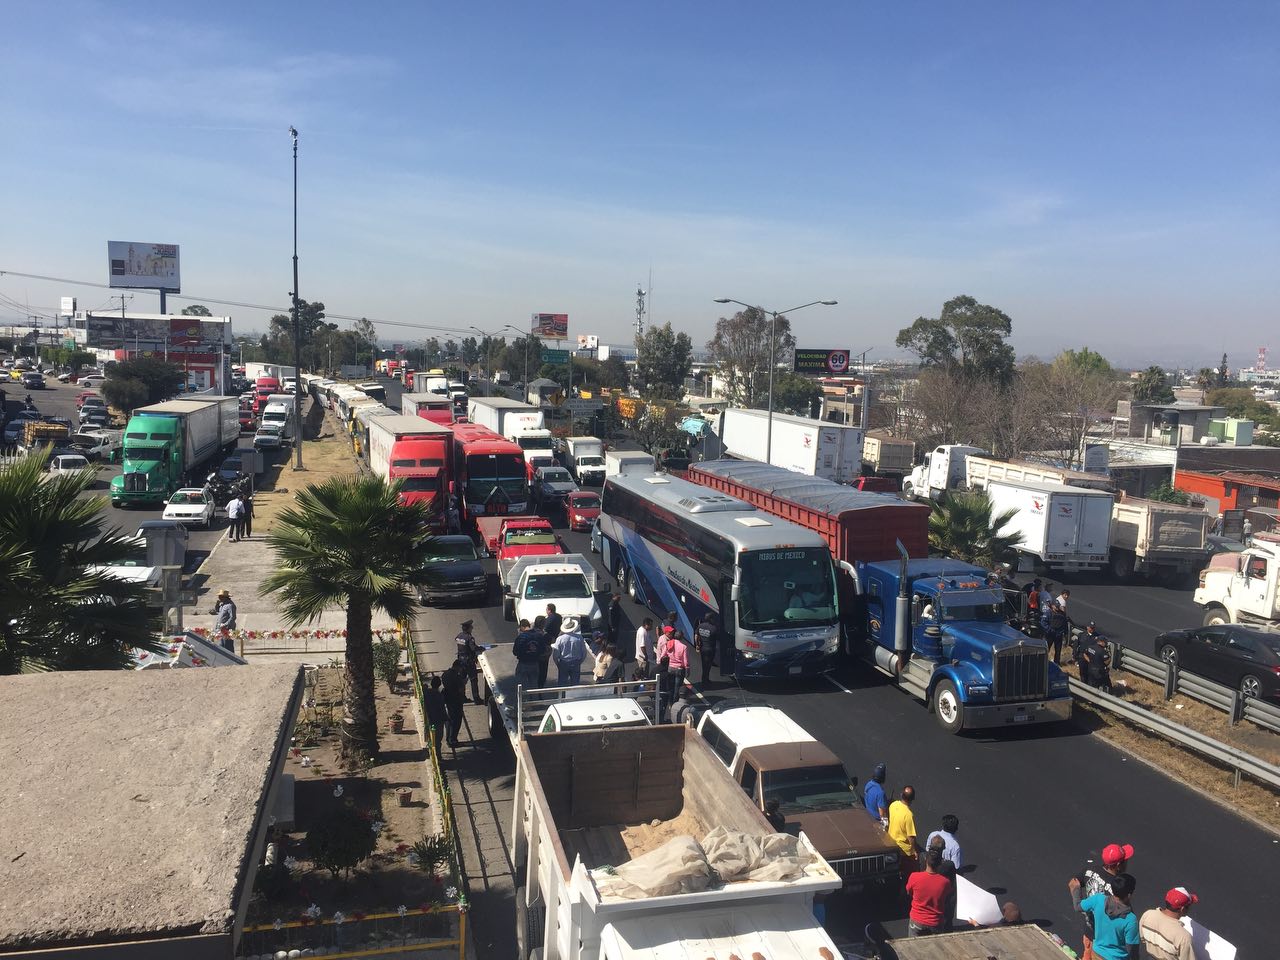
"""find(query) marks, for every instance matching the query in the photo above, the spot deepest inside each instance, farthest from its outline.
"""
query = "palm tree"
(349, 542)
(961, 526)
(58, 609)
(1152, 386)
(1207, 378)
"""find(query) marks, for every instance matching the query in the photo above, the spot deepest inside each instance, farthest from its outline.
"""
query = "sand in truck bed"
(615, 845)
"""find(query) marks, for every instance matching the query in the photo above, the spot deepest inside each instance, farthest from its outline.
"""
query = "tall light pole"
(297, 321)
(773, 353)
(488, 378)
(526, 354)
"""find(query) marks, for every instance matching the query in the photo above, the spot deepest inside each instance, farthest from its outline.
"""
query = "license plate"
(795, 671)
(1021, 717)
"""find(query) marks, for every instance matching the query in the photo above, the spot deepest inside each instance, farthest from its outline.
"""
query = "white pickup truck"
(567, 580)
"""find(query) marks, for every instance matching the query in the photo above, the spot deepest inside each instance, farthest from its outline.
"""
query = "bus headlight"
(830, 645)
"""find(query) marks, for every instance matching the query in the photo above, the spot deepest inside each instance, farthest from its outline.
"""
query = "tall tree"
(796, 394)
(350, 543)
(962, 526)
(159, 378)
(58, 609)
(967, 335)
(741, 349)
(663, 361)
(614, 373)
(1082, 388)
(1152, 386)
(196, 310)
(470, 350)
(1207, 378)
(1224, 372)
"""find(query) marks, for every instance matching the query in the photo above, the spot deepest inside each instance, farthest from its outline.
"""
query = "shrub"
(432, 852)
(340, 841)
(386, 661)
(273, 881)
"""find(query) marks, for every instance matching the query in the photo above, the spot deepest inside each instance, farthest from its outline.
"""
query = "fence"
(1176, 681)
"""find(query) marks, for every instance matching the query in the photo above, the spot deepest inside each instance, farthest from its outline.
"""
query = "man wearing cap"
(1088, 882)
(224, 608)
(1162, 930)
(468, 655)
(569, 651)
(873, 797)
(1109, 913)
(529, 646)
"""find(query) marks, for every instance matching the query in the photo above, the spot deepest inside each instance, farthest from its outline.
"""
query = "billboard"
(553, 325)
(148, 266)
(825, 362)
(588, 341)
(110, 330)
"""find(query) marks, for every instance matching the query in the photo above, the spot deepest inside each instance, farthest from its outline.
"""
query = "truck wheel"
(624, 581)
(947, 706)
(1121, 564)
(497, 730)
(509, 609)
(1216, 616)
(908, 492)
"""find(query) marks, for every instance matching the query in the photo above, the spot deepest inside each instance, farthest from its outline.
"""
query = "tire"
(509, 610)
(1216, 616)
(497, 730)
(947, 707)
(1250, 686)
(908, 492)
(1169, 654)
(1121, 564)
(624, 581)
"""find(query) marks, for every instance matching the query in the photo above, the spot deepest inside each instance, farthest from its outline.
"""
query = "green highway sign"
(555, 356)
(69, 344)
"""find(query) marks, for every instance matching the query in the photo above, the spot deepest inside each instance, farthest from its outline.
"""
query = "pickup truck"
(508, 537)
(96, 444)
(568, 581)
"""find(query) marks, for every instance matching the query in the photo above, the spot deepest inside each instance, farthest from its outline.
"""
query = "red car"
(582, 508)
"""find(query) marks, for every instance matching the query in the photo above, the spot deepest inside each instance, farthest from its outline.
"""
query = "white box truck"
(611, 826)
(584, 456)
(618, 462)
(1065, 528)
(831, 451)
(512, 419)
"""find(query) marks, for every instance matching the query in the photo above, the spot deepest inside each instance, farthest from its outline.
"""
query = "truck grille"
(861, 868)
(1022, 673)
(135, 482)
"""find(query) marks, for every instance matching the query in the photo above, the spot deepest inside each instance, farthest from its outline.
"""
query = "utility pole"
(297, 322)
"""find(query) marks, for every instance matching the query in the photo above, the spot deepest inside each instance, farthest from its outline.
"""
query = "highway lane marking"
(838, 684)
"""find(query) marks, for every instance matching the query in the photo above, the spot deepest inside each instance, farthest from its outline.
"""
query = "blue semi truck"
(939, 629)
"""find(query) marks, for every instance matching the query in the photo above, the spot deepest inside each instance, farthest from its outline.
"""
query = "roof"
(543, 382)
(786, 756)
(133, 800)
(756, 726)
(1270, 481)
(815, 493)
(1043, 486)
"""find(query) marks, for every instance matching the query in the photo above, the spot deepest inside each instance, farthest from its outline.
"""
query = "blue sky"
(1106, 173)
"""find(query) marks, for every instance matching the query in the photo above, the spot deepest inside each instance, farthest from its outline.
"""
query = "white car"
(92, 382)
(67, 463)
(190, 505)
(269, 436)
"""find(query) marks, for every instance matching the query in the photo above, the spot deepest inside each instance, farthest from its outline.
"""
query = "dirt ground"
(388, 878)
(1254, 800)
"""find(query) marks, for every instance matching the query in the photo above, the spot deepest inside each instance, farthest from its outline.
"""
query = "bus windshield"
(786, 588)
(504, 471)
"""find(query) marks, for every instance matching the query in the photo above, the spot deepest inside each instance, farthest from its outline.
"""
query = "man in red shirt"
(930, 893)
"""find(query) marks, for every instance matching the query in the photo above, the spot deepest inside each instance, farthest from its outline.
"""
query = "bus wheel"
(947, 707)
(625, 583)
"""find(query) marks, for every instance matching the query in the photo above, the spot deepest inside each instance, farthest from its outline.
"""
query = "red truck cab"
(421, 466)
(263, 387)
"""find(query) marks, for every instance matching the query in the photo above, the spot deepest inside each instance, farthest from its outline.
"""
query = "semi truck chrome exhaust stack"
(902, 618)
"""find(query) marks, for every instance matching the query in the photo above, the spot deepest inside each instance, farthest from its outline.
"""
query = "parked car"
(92, 382)
(190, 505)
(582, 508)
(269, 437)
(1231, 654)
(65, 463)
(458, 572)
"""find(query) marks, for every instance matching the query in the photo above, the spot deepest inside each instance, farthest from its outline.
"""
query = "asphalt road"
(59, 400)
(1035, 805)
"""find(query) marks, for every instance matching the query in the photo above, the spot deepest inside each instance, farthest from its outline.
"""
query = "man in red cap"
(1115, 857)
(1162, 930)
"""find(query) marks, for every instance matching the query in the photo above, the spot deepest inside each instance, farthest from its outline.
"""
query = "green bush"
(433, 851)
(273, 881)
(386, 661)
(340, 841)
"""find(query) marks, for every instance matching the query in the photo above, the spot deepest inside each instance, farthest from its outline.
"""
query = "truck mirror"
(733, 593)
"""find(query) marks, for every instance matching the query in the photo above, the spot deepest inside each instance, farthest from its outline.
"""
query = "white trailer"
(1065, 528)
(618, 462)
(980, 470)
(606, 824)
(278, 371)
(831, 451)
(1163, 540)
(885, 455)
(517, 421)
(585, 459)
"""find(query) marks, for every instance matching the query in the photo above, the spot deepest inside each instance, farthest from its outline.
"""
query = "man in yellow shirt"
(902, 829)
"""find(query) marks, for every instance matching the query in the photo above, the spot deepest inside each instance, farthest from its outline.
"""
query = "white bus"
(679, 547)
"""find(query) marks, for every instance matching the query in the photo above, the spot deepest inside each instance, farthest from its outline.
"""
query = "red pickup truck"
(510, 537)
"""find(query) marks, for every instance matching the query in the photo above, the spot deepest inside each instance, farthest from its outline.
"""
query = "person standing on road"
(468, 654)
(1032, 590)
(1057, 631)
(1086, 883)
(930, 892)
(902, 829)
(551, 629)
(569, 651)
(873, 797)
(948, 868)
(1161, 928)
(608, 668)
(1095, 662)
(947, 834)
(247, 516)
(224, 609)
(645, 641)
(528, 650)
(436, 713)
(1064, 598)
(1246, 531)
(677, 663)
(235, 513)
(705, 643)
(1109, 913)
(454, 683)
(615, 617)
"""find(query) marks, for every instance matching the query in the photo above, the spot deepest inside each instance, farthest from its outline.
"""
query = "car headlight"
(748, 655)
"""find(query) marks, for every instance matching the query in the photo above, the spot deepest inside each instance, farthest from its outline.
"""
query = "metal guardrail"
(1237, 760)
(1176, 681)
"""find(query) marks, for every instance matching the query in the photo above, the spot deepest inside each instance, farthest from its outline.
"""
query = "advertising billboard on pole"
(553, 325)
(146, 266)
(824, 362)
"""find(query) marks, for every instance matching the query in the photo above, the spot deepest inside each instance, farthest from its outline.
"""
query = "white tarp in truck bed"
(778, 932)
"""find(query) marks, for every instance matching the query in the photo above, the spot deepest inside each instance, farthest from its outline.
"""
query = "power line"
(192, 298)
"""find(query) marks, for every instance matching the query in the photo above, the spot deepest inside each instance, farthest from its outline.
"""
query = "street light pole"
(297, 321)
(773, 353)
(526, 355)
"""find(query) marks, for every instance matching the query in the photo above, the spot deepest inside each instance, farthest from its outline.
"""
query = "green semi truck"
(165, 444)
